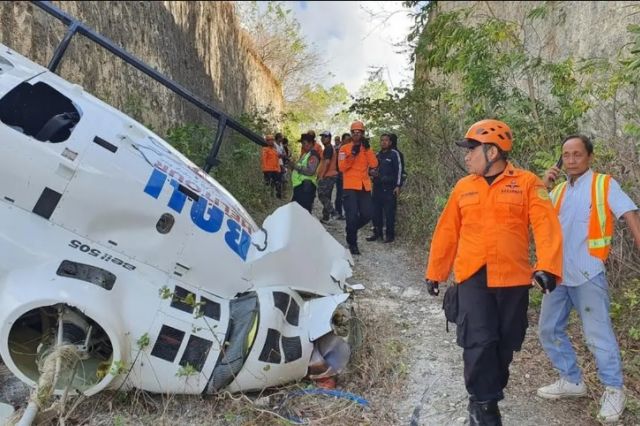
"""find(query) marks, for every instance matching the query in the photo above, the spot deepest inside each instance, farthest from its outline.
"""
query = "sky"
(356, 35)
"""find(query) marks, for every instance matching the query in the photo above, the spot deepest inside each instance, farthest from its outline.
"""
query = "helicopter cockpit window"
(40, 111)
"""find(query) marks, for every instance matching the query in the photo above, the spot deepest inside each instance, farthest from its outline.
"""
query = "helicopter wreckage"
(124, 265)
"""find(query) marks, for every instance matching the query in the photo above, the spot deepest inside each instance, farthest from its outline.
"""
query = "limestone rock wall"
(200, 45)
(568, 29)
(581, 29)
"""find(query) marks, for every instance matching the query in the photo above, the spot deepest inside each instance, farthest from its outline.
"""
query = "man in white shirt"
(587, 204)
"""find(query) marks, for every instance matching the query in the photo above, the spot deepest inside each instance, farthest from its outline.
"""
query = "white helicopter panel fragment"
(320, 312)
(299, 254)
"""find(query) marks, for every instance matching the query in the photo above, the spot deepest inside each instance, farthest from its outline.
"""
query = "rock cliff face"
(556, 31)
(581, 29)
(197, 44)
(577, 29)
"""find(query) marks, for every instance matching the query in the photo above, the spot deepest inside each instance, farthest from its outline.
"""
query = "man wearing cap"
(483, 233)
(316, 145)
(354, 161)
(303, 176)
(327, 173)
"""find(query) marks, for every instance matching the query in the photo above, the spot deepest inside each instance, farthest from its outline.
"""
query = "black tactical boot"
(484, 413)
(354, 249)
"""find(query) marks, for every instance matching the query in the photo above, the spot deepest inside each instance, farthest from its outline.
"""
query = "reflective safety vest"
(601, 218)
(297, 178)
(331, 168)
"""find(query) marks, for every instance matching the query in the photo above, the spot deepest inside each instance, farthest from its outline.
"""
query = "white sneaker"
(562, 389)
(612, 401)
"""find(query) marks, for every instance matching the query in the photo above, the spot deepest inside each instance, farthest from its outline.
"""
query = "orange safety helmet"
(357, 125)
(488, 131)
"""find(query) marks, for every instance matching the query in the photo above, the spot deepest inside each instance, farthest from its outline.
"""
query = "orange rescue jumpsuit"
(483, 233)
(489, 225)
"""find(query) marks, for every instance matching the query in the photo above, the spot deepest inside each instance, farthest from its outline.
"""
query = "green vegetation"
(469, 72)
(469, 69)
(280, 43)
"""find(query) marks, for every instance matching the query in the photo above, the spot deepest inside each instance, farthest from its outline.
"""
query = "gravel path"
(435, 392)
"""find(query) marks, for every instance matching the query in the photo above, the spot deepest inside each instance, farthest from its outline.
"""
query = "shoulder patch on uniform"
(342, 155)
(542, 193)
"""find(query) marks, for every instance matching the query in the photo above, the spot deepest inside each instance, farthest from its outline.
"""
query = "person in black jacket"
(387, 180)
(394, 145)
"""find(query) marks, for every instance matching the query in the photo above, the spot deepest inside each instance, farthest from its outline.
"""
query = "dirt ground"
(434, 393)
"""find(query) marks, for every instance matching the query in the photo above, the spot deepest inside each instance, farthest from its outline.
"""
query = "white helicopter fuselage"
(160, 268)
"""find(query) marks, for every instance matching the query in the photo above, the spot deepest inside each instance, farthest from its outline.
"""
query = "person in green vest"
(303, 176)
(588, 204)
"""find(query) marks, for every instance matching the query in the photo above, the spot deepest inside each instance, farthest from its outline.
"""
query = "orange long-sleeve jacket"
(355, 170)
(270, 161)
(488, 225)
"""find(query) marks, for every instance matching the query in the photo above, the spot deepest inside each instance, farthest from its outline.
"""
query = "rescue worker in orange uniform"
(354, 161)
(270, 161)
(483, 233)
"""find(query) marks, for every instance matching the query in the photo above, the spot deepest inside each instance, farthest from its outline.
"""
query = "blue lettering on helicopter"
(204, 214)
(201, 209)
(177, 200)
(237, 238)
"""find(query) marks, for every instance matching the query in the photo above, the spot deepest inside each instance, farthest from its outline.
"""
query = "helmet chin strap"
(485, 149)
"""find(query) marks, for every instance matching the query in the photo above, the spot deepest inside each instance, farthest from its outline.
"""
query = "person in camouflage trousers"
(327, 174)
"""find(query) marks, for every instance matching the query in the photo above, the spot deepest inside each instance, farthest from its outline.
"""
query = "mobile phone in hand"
(559, 163)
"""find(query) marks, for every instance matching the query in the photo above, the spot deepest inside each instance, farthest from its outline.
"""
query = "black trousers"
(491, 326)
(304, 194)
(357, 207)
(338, 202)
(274, 179)
(384, 211)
